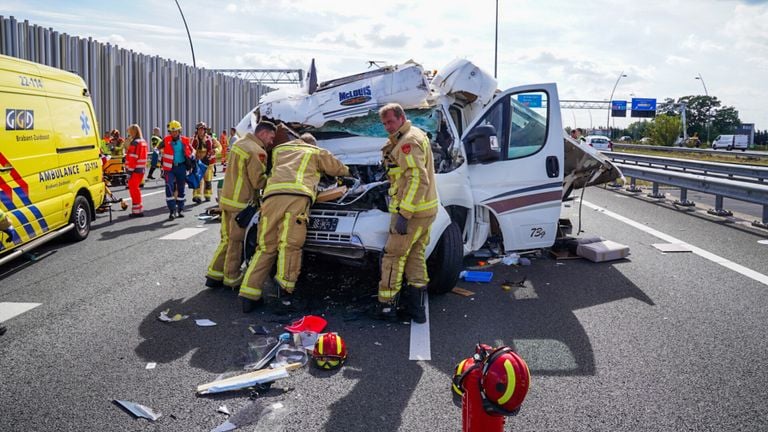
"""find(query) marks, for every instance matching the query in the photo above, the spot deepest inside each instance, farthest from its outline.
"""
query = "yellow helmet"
(174, 125)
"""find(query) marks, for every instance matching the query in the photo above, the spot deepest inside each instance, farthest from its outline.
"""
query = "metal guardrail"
(748, 173)
(739, 182)
(617, 146)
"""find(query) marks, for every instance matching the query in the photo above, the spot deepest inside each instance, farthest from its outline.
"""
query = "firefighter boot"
(414, 303)
(386, 311)
(250, 305)
(213, 283)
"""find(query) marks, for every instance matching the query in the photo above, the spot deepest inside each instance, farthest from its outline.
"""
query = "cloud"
(695, 43)
(676, 60)
(231, 8)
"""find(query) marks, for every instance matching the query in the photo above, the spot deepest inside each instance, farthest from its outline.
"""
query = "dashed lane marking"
(738, 268)
(9, 310)
(183, 234)
(420, 344)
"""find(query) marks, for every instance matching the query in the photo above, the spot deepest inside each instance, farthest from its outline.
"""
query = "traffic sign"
(530, 100)
(619, 108)
(642, 107)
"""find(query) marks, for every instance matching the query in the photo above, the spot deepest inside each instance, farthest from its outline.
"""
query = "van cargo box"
(603, 251)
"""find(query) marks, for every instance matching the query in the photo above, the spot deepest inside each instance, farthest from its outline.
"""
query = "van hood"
(585, 166)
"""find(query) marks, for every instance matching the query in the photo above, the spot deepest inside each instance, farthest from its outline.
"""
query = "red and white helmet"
(504, 382)
(330, 351)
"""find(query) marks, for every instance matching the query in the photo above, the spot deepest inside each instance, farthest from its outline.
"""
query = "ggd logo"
(19, 119)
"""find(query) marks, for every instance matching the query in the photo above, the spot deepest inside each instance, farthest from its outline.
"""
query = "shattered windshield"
(426, 119)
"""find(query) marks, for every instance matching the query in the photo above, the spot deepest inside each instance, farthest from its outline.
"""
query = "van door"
(25, 153)
(515, 160)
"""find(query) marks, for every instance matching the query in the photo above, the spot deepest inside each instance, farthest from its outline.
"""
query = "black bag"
(189, 163)
(246, 215)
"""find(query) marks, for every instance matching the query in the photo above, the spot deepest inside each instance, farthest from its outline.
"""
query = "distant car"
(646, 140)
(730, 142)
(599, 142)
(625, 138)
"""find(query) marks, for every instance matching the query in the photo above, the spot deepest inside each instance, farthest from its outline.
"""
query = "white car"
(502, 163)
(599, 142)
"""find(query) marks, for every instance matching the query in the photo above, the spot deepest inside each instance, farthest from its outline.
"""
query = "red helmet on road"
(330, 351)
(458, 375)
(504, 382)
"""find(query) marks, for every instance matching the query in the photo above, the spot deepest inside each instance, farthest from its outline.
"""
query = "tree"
(665, 129)
(699, 111)
(638, 129)
(725, 121)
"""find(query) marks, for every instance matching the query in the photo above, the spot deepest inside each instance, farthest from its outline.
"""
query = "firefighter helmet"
(330, 351)
(458, 375)
(504, 382)
(201, 125)
(174, 125)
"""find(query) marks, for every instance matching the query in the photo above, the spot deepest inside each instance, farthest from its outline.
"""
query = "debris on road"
(224, 410)
(264, 349)
(258, 330)
(3, 329)
(204, 323)
(268, 417)
(164, 317)
(603, 251)
(288, 354)
(672, 247)
(150, 365)
(137, 410)
(511, 259)
(508, 285)
(476, 276)
(462, 292)
(309, 322)
(247, 380)
(225, 427)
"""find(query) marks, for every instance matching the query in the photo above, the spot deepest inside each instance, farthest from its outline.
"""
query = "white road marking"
(9, 310)
(183, 234)
(765, 242)
(420, 345)
(738, 268)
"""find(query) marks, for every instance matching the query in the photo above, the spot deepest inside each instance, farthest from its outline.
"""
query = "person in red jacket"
(177, 150)
(135, 163)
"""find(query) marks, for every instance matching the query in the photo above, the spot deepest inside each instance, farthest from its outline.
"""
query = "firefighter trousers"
(404, 256)
(206, 187)
(226, 262)
(282, 231)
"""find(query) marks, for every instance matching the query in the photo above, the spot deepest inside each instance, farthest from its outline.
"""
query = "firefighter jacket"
(136, 157)
(168, 151)
(116, 147)
(246, 174)
(297, 167)
(206, 149)
(411, 172)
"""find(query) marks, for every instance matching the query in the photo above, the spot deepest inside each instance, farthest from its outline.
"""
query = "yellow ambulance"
(50, 171)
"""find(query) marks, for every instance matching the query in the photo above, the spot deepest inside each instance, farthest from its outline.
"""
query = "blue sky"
(582, 46)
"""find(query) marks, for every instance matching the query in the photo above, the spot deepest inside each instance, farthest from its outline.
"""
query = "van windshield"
(426, 119)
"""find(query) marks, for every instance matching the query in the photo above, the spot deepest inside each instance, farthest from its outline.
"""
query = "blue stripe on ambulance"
(25, 223)
(35, 211)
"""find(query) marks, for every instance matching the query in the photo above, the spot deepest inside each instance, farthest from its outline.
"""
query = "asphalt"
(662, 342)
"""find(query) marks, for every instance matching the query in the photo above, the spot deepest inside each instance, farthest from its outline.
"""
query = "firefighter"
(116, 144)
(407, 156)
(176, 152)
(206, 147)
(291, 189)
(224, 141)
(155, 143)
(243, 181)
(135, 163)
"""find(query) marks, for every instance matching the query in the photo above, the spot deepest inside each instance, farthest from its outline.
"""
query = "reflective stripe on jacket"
(168, 151)
(206, 151)
(136, 158)
(411, 171)
(246, 174)
(297, 167)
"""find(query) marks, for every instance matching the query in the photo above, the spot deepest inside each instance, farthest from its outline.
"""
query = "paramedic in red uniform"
(135, 163)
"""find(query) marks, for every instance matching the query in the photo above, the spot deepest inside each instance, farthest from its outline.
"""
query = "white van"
(502, 163)
(730, 142)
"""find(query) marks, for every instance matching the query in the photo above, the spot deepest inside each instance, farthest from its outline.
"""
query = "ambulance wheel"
(445, 262)
(81, 218)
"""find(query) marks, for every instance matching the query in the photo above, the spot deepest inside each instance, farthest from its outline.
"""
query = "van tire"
(729, 148)
(81, 218)
(445, 262)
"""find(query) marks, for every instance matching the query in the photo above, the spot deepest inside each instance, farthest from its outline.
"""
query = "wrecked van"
(503, 164)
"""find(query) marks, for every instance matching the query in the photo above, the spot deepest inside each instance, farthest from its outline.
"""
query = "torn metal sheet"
(137, 410)
(672, 247)
(224, 410)
(246, 380)
(225, 427)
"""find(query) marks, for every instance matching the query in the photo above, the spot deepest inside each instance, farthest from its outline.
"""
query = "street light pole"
(496, 43)
(194, 64)
(610, 104)
(701, 78)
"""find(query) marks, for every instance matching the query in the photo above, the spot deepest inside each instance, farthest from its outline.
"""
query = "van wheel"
(729, 148)
(81, 218)
(444, 264)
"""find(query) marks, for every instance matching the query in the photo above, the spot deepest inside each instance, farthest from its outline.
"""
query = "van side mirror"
(482, 145)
